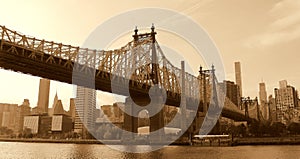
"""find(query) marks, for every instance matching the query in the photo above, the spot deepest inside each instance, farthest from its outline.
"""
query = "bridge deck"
(19, 58)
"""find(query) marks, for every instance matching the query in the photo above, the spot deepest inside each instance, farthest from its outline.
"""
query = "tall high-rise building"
(12, 115)
(43, 100)
(55, 100)
(232, 92)
(283, 84)
(262, 93)
(272, 109)
(238, 76)
(72, 111)
(57, 106)
(58, 109)
(85, 103)
(22, 110)
(263, 100)
(7, 115)
(51, 110)
(286, 101)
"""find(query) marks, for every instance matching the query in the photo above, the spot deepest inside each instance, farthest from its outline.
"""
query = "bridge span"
(140, 64)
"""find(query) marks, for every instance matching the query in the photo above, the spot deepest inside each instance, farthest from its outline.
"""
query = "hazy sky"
(263, 35)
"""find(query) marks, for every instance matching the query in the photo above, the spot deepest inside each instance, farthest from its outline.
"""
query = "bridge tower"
(246, 101)
(204, 94)
(204, 75)
(215, 99)
(250, 102)
(257, 109)
(156, 120)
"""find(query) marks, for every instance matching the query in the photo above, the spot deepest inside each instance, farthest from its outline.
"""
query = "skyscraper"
(262, 93)
(72, 111)
(263, 100)
(7, 115)
(286, 101)
(85, 104)
(57, 106)
(22, 111)
(238, 76)
(43, 100)
(283, 84)
(232, 92)
(55, 100)
(272, 109)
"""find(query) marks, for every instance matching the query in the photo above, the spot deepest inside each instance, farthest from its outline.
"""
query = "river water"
(12, 150)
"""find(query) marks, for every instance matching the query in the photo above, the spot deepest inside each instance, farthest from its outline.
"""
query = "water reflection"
(79, 151)
(148, 155)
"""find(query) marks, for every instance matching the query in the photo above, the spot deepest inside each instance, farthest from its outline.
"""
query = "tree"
(241, 130)
(27, 133)
(254, 129)
(100, 131)
(277, 129)
(5, 131)
(233, 130)
(294, 128)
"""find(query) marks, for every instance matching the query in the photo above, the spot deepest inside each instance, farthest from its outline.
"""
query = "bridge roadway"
(18, 58)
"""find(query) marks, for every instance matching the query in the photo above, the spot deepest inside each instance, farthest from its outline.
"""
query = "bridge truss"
(140, 64)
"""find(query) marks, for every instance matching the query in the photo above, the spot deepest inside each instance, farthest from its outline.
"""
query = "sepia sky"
(263, 35)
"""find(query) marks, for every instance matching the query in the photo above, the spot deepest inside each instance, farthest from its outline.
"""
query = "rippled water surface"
(52, 150)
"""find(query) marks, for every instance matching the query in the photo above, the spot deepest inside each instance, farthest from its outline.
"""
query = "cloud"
(286, 21)
(195, 8)
(285, 27)
(272, 38)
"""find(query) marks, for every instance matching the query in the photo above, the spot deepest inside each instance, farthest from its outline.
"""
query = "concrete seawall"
(267, 141)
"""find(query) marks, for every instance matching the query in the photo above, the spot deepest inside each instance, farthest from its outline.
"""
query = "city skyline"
(237, 42)
(150, 79)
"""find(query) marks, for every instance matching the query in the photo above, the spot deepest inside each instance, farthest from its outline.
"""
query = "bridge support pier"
(157, 133)
(198, 122)
(130, 122)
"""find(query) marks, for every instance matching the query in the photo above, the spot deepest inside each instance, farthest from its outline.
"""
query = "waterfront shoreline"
(236, 142)
(266, 141)
(73, 141)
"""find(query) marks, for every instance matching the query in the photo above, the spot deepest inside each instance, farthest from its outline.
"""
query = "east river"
(12, 150)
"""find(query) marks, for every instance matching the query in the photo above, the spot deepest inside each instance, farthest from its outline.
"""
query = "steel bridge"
(140, 64)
